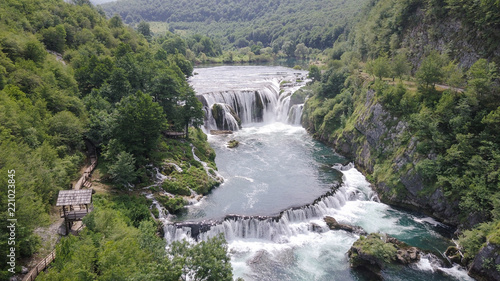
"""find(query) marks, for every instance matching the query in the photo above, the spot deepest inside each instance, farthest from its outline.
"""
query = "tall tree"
(430, 71)
(138, 125)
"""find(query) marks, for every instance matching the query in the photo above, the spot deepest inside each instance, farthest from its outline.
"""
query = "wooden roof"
(74, 197)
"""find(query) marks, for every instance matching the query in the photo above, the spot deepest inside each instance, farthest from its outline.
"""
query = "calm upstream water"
(280, 183)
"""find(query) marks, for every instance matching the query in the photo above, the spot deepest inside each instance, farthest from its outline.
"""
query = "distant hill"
(237, 23)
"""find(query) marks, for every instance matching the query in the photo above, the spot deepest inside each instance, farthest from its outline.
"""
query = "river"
(280, 183)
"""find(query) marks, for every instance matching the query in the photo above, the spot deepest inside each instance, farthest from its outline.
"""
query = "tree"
(400, 66)
(166, 89)
(314, 73)
(301, 51)
(175, 45)
(144, 29)
(288, 48)
(122, 170)
(54, 38)
(430, 71)
(207, 260)
(379, 67)
(138, 125)
(481, 76)
(116, 21)
(66, 129)
(192, 111)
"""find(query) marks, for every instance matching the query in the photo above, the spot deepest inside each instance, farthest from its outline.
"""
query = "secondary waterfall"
(263, 99)
(279, 183)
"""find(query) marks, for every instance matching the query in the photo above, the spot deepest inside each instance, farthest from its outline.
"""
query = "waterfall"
(295, 114)
(229, 109)
(277, 229)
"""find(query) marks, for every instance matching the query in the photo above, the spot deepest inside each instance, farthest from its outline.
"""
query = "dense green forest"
(381, 100)
(69, 76)
(270, 25)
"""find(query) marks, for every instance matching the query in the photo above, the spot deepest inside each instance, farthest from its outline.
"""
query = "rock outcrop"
(375, 251)
(486, 263)
(334, 225)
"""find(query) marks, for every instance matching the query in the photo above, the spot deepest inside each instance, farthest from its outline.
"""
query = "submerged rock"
(334, 225)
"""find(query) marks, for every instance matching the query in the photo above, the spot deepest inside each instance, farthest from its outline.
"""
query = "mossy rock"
(375, 251)
(233, 144)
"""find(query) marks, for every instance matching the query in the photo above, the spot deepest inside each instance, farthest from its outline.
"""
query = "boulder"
(453, 254)
(334, 225)
(408, 255)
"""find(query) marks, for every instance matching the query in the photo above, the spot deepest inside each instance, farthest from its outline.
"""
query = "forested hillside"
(69, 76)
(277, 24)
(413, 97)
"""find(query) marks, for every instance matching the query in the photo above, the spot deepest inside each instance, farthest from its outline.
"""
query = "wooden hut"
(75, 204)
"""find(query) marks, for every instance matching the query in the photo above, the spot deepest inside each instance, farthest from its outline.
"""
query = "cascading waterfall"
(277, 229)
(229, 109)
(295, 114)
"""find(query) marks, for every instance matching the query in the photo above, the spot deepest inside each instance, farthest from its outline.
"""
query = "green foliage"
(473, 240)
(173, 205)
(314, 73)
(144, 29)
(139, 123)
(430, 71)
(50, 101)
(207, 260)
(281, 26)
(176, 187)
(134, 208)
(54, 38)
(374, 245)
(379, 67)
(122, 170)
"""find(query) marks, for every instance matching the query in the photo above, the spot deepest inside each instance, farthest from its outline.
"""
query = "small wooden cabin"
(75, 204)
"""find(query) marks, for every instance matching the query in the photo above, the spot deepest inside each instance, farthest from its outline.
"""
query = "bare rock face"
(334, 225)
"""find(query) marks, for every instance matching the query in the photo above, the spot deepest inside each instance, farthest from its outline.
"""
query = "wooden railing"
(40, 267)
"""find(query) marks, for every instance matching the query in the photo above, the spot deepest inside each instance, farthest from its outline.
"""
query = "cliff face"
(382, 147)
